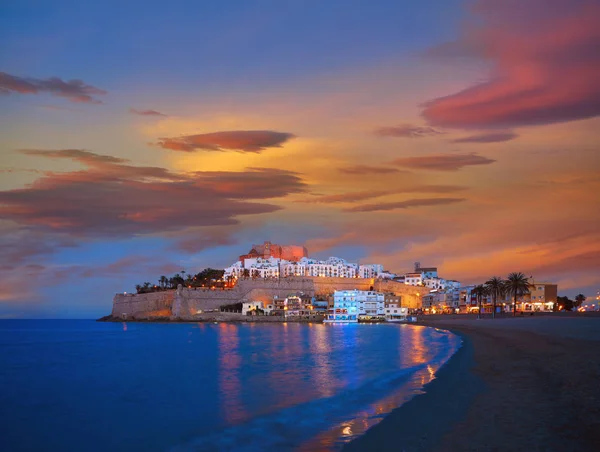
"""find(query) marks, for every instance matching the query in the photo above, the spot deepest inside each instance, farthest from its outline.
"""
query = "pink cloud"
(545, 65)
(493, 137)
(146, 112)
(407, 131)
(237, 140)
(73, 90)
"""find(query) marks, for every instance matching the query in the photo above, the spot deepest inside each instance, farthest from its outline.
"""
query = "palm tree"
(496, 289)
(163, 280)
(517, 284)
(579, 299)
(480, 291)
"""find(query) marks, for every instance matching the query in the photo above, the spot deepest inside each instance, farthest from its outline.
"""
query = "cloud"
(443, 162)
(410, 203)
(111, 198)
(78, 155)
(237, 140)
(366, 169)
(494, 137)
(346, 197)
(407, 131)
(73, 90)
(361, 196)
(545, 65)
(135, 111)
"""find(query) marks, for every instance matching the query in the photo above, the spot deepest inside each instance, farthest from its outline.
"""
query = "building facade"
(370, 304)
(344, 308)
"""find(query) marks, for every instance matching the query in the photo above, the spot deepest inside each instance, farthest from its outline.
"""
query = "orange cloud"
(410, 203)
(443, 162)
(114, 199)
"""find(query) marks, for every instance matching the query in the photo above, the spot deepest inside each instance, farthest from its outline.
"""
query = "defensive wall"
(189, 304)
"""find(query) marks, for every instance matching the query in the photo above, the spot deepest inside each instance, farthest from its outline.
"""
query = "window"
(541, 288)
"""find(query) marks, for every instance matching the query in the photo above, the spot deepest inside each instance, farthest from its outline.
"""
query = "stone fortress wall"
(189, 304)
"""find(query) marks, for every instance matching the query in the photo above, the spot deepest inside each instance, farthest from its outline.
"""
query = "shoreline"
(515, 384)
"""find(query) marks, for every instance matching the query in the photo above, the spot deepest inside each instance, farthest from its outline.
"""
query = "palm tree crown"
(517, 284)
(496, 289)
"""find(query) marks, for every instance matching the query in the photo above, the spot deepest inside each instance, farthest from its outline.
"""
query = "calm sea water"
(77, 385)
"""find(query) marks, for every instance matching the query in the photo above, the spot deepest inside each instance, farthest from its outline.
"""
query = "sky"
(138, 139)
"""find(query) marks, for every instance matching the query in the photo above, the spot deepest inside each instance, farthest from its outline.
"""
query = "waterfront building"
(344, 308)
(541, 297)
(394, 312)
(370, 304)
(293, 305)
(256, 308)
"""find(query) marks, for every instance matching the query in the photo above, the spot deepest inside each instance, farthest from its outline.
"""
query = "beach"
(525, 383)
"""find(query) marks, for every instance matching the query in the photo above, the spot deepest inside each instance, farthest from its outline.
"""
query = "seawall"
(190, 304)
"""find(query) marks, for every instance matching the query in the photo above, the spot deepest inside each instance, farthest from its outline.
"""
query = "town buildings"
(275, 261)
(344, 308)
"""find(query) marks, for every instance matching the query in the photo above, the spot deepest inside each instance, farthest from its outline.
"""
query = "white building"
(413, 279)
(249, 306)
(370, 304)
(334, 267)
(370, 270)
(441, 283)
(345, 307)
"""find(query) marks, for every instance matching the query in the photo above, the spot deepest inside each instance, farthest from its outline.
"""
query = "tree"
(579, 299)
(517, 284)
(246, 273)
(564, 303)
(138, 288)
(496, 289)
(480, 291)
(162, 281)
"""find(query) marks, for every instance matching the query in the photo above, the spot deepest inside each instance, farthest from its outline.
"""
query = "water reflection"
(314, 388)
(321, 352)
(230, 386)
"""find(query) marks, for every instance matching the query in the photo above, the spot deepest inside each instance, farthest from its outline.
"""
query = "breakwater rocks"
(188, 304)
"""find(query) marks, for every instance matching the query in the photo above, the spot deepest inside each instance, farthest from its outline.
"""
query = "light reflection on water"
(315, 387)
(205, 387)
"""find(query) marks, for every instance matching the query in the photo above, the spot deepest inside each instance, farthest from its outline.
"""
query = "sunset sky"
(143, 138)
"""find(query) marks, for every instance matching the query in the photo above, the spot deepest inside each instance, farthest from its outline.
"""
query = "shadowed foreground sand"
(529, 384)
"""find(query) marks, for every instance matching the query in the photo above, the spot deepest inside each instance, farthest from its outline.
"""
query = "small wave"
(288, 428)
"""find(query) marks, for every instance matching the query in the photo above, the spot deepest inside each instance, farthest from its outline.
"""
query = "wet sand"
(522, 384)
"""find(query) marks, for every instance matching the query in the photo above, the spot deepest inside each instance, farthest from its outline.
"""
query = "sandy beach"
(527, 384)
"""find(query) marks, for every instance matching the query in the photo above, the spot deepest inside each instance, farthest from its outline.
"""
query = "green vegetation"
(207, 278)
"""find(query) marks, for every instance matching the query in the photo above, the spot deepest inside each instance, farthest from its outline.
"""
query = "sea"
(81, 385)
